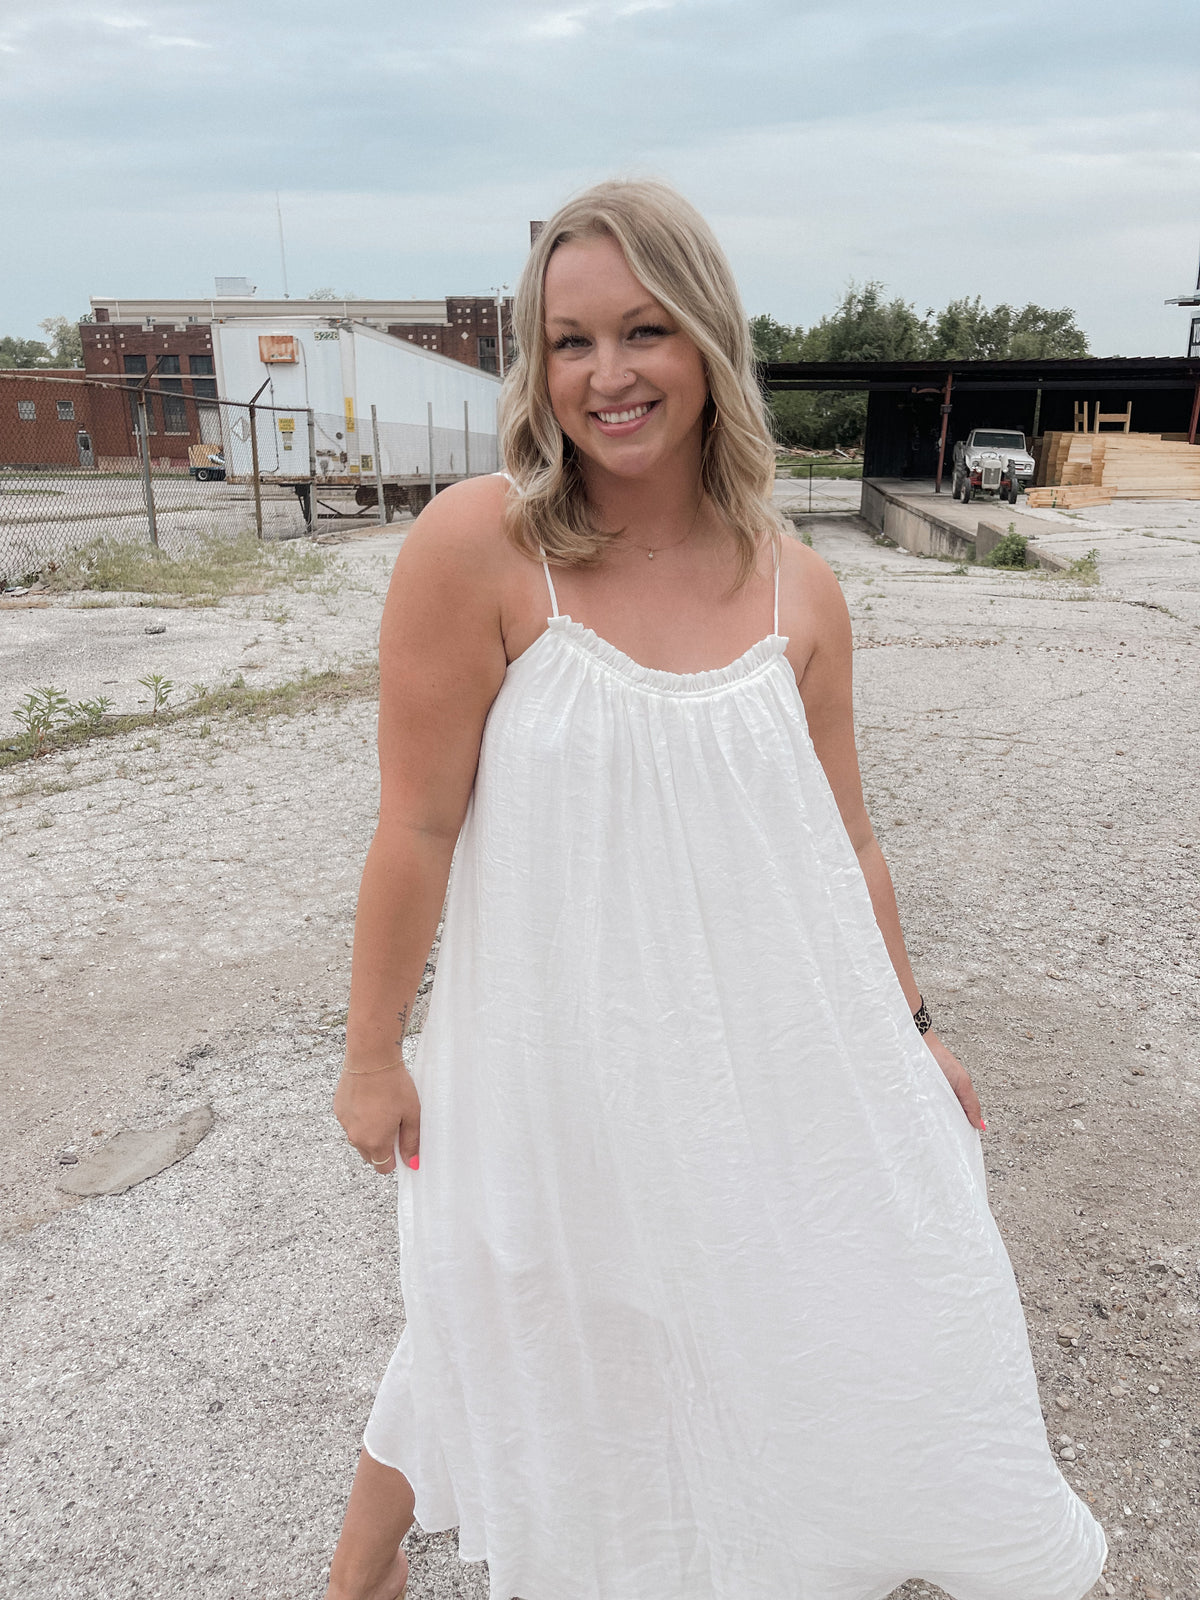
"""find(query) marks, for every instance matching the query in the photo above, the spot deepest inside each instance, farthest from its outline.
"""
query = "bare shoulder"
(810, 596)
(460, 534)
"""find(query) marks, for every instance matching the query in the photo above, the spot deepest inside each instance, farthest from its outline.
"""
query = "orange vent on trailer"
(277, 348)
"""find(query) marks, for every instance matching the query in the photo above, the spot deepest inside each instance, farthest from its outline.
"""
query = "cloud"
(412, 148)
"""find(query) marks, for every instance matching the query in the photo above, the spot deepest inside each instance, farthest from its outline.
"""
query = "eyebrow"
(570, 322)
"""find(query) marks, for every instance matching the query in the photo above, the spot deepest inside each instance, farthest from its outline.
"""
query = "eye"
(569, 341)
(649, 330)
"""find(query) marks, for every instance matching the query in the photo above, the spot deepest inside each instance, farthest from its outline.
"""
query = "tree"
(65, 340)
(968, 331)
(24, 353)
(866, 326)
(774, 341)
(1039, 335)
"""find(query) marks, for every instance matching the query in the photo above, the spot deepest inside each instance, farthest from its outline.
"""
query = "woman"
(703, 1296)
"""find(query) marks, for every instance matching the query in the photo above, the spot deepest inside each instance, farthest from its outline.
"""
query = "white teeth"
(623, 416)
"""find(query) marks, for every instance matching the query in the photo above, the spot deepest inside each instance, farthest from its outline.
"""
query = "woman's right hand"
(372, 1106)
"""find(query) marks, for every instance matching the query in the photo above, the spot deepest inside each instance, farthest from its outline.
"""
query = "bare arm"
(826, 687)
(441, 661)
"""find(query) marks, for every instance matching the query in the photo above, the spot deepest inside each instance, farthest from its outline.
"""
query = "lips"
(623, 419)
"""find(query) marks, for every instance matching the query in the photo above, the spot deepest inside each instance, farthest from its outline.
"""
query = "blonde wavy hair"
(673, 253)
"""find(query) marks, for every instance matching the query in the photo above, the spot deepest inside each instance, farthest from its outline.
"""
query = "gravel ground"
(188, 1364)
(92, 644)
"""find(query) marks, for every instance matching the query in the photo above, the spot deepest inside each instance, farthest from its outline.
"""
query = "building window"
(135, 365)
(66, 410)
(200, 367)
(488, 361)
(174, 407)
(167, 366)
(204, 388)
(26, 410)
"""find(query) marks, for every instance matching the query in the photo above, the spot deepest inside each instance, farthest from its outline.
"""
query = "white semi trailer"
(316, 380)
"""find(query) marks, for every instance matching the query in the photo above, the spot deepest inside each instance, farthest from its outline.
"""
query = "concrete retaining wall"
(911, 529)
(915, 528)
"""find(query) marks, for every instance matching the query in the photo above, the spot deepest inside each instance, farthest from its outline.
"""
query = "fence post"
(467, 438)
(432, 471)
(382, 507)
(254, 469)
(147, 482)
(309, 520)
(810, 472)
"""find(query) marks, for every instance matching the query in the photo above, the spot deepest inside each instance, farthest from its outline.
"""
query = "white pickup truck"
(992, 462)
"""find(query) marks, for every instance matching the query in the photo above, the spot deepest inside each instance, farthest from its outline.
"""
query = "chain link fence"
(86, 461)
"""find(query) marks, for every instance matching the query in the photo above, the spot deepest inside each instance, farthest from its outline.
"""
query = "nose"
(611, 374)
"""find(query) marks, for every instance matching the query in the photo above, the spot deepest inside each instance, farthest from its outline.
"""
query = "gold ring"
(382, 1163)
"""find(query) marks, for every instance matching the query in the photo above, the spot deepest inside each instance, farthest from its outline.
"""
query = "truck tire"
(203, 474)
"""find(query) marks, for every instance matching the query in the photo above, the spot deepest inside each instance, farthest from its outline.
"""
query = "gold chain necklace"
(651, 550)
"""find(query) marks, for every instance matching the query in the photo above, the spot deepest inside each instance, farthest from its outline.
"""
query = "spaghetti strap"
(554, 597)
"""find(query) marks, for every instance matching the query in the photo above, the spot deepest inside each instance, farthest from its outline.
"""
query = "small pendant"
(649, 555)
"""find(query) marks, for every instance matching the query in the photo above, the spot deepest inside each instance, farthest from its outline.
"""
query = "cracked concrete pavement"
(188, 1364)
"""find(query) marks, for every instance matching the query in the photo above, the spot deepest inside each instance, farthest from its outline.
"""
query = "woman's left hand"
(958, 1078)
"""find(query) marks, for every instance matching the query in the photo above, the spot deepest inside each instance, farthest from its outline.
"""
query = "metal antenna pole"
(282, 251)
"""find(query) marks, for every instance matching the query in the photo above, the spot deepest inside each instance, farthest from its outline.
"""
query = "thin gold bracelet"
(369, 1072)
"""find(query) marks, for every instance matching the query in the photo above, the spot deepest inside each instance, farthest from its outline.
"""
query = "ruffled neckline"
(589, 643)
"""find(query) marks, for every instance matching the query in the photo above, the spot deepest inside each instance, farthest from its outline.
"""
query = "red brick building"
(47, 418)
(468, 333)
(180, 357)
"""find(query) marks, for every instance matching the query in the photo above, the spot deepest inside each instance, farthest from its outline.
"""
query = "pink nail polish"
(415, 1163)
(982, 1125)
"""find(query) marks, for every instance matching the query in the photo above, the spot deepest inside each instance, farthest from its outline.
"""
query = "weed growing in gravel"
(1085, 568)
(46, 711)
(312, 691)
(39, 713)
(160, 689)
(1012, 551)
(216, 567)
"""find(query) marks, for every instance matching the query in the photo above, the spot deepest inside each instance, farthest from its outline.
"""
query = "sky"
(1019, 151)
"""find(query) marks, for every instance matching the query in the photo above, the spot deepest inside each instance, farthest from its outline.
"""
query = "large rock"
(131, 1156)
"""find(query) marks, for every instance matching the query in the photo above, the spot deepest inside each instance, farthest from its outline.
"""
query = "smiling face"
(627, 385)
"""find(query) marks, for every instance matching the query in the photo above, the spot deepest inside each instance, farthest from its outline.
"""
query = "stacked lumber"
(1126, 466)
(1140, 466)
(1065, 458)
(1069, 497)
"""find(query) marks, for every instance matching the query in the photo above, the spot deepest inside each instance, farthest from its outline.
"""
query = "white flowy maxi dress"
(704, 1299)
